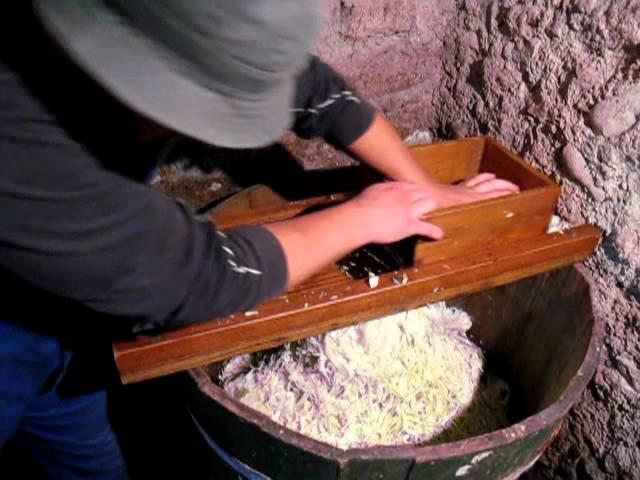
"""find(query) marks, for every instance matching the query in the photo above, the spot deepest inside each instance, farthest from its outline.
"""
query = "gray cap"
(221, 71)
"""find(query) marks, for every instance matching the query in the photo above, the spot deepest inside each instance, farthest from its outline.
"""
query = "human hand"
(390, 211)
(480, 187)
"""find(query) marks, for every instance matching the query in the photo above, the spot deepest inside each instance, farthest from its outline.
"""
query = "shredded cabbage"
(400, 379)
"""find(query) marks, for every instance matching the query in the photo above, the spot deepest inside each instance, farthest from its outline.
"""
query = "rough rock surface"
(539, 75)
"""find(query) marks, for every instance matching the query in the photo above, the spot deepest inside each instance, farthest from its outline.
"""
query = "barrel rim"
(485, 442)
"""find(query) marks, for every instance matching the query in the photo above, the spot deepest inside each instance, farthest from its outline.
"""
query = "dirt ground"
(557, 81)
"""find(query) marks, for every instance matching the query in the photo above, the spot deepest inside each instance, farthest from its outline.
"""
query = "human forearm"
(382, 148)
(315, 240)
(383, 213)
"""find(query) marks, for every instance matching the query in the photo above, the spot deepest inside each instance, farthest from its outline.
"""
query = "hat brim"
(143, 77)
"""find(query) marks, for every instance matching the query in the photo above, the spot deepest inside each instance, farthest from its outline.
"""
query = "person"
(89, 252)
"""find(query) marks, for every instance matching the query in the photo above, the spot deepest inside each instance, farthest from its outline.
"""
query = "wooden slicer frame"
(487, 244)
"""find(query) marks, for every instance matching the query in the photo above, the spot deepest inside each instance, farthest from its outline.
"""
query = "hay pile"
(401, 379)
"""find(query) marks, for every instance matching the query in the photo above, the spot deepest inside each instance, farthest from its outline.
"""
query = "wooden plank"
(448, 162)
(377, 468)
(272, 213)
(504, 163)
(330, 300)
(451, 161)
(513, 216)
(465, 226)
(498, 463)
(254, 197)
(454, 220)
(490, 221)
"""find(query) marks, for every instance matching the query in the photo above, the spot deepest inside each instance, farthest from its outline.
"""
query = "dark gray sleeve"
(327, 106)
(77, 230)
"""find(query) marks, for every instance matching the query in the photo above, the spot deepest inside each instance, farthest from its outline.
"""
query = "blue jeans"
(69, 438)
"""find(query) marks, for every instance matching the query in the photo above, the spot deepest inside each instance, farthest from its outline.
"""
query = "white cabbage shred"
(400, 379)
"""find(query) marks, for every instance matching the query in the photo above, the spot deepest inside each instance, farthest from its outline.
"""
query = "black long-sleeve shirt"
(81, 237)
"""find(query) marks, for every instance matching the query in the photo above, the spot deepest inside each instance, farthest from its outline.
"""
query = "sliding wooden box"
(488, 243)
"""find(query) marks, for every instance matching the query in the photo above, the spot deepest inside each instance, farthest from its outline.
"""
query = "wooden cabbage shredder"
(487, 244)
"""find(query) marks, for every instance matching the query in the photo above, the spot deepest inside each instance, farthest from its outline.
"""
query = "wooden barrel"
(543, 332)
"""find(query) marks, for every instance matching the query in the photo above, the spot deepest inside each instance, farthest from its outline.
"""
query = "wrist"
(359, 226)
(426, 181)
